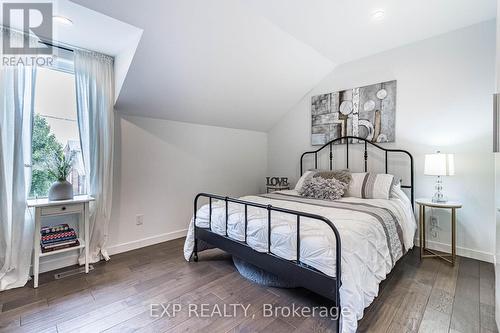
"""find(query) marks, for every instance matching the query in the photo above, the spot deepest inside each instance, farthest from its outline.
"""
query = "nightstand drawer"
(62, 209)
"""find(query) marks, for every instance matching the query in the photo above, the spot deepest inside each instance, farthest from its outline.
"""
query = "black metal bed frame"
(366, 143)
(293, 270)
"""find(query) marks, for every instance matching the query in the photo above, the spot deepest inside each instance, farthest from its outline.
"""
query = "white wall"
(161, 165)
(497, 180)
(123, 60)
(444, 102)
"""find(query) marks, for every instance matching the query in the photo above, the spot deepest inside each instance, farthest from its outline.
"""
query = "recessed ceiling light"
(62, 19)
(378, 15)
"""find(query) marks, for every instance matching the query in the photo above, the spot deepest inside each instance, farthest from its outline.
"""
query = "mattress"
(374, 234)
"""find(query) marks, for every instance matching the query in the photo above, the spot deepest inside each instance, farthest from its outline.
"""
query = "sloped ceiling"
(344, 30)
(212, 62)
(245, 63)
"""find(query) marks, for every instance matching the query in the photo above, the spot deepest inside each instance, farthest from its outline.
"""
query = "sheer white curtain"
(94, 78)
(17, 84)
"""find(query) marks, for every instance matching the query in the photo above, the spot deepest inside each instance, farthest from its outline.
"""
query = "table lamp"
(439, 165)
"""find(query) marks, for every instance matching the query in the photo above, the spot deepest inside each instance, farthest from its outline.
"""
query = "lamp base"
(437, 200)
(438, 196)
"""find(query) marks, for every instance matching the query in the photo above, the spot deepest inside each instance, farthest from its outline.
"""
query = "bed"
(339, 249)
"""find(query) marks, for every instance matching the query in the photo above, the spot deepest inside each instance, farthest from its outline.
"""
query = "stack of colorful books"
(58, 237)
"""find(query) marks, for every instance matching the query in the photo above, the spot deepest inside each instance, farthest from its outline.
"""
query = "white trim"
(461, 251)
(57, 262)
(136, 244)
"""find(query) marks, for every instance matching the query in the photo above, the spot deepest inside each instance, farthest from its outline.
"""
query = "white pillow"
(396, 187)
(355, 188)
(300, 182)
(370, 185)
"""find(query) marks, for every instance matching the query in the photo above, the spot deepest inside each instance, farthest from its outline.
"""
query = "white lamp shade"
(439, 164)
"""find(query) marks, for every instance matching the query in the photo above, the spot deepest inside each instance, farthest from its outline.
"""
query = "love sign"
(277, 181)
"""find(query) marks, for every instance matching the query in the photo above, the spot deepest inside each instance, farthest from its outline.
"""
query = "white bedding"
(366, 254)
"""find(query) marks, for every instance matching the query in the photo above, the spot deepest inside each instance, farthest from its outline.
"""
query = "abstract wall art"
(368, 112)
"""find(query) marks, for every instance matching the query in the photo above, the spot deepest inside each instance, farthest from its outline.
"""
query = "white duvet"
(366, 258)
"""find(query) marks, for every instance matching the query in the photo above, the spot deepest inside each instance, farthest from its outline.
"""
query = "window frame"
(63, 62)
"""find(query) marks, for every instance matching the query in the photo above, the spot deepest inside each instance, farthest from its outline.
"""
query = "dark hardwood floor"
(427, 296)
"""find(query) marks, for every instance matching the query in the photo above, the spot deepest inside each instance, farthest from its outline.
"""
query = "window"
(55, 128)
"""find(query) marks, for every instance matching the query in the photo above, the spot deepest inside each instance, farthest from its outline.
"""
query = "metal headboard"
(366, 142)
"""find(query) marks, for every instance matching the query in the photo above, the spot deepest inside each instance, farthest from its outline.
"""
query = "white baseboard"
(70, 259)
(461, 251)
(136, 244)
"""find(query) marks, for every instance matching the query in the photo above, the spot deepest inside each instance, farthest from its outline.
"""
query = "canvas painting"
(368, 112)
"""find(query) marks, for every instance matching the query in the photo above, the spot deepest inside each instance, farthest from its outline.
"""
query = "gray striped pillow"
(370, 185)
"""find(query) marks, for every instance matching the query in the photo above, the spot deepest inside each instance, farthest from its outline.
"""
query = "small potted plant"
(60, 169)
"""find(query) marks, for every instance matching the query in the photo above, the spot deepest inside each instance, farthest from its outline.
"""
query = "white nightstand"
(45, 208)
(453, 206)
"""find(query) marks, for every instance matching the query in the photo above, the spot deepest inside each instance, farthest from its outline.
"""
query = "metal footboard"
(300, 273)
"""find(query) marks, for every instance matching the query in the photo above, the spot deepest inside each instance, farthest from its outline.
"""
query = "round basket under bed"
(260, 276)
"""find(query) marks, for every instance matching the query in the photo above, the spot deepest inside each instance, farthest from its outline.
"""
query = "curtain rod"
(69, 48)
(54, 45)
(72, 49)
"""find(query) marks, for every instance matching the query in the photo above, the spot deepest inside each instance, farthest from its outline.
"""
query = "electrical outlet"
(139, 219)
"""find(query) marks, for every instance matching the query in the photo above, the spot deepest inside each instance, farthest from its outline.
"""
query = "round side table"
(453, 206)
